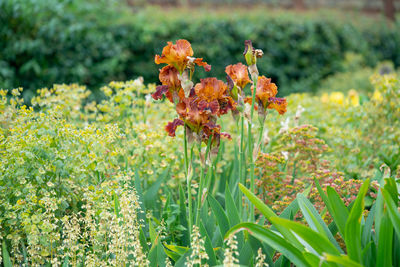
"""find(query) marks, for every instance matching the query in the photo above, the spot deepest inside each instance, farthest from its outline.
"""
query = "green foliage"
(317, 244)
(46, 42)
(354, 75)
(67, 158)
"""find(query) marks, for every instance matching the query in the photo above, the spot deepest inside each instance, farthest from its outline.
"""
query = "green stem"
(185, 148)
(188, 181)
(259, 146)
(209, 177)
(293, 172)
(250, 144)
(241, 160)
(201, 181)
(261, 132)
(199, 193)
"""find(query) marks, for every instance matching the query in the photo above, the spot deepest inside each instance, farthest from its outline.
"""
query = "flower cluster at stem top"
(199, 105)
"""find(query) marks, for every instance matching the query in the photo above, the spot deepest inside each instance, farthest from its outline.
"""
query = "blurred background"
(309, 45)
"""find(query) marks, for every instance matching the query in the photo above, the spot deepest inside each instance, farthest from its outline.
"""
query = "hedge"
(45, 42)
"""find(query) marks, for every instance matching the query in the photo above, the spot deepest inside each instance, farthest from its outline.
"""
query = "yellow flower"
(377, 96)
(337, 97)
(3, 92)
(354, 98)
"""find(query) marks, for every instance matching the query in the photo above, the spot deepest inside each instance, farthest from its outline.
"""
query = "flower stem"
(241, 160)
(199, 193)
(262, 122)
(250, 144)
(185, 148)
(201, 181)
(188, 183)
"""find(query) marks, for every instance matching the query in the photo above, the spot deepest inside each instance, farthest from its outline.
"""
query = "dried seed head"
(259, 53)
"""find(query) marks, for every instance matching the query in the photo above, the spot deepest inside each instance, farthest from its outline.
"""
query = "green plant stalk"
(250, 144)
(262, 123)
(199, 193)
(261, 133)
(209, 176)
(241, 160)
(201, 181)
(188, 180)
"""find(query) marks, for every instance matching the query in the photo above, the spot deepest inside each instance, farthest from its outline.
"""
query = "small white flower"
(148, 98)
(285, 154)
(266, 138)
(284, 126)
(299, 111)
(138, 81)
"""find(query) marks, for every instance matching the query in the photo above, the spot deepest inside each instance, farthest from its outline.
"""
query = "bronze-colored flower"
(265, 97)
(226, 104)
(178, 55)
(213, 95)
(210, 89)
(209, 129)
(169, 76)
(171, 85)
(239, 74)
(189, 112)
(213, 131)
(265, 90)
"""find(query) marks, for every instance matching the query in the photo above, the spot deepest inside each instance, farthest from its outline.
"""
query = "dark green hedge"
(57, 42)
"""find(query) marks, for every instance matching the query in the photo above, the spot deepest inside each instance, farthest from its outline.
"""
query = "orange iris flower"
(190, 113)
(169, 76)
(179, 55)
(210, 98)
(210, 89)
(265, 95)
(213, 95)
(265, 90)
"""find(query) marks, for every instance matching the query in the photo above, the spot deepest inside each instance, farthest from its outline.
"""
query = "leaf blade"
(273, 240)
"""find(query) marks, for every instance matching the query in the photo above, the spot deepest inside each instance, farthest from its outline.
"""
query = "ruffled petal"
(279, 104)
(175, 54)
(210, 129)
(171, 127)
(200, 62)
(226, 135)
(239, 74)
(160, 91)
(189, 111)
(265, 89)
(210, 89)
(169, 76)
(212, 106)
